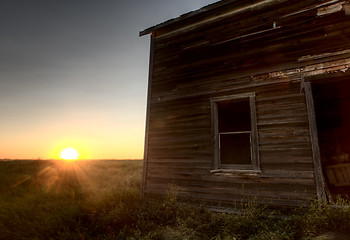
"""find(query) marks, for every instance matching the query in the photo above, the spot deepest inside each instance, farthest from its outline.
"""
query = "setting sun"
(69, 154)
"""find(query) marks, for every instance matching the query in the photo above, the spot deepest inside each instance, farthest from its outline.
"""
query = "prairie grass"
(102, 200)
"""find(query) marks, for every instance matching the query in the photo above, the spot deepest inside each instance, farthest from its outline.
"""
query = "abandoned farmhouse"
(250, 99)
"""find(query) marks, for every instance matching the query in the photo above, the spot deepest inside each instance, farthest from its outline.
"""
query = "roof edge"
(187, 15)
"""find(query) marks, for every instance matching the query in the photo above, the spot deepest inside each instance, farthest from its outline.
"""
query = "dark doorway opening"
(332, 109)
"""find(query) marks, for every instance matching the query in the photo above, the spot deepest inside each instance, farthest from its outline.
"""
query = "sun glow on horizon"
(69, 154)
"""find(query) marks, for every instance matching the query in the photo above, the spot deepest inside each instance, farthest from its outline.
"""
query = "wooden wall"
(266, 51)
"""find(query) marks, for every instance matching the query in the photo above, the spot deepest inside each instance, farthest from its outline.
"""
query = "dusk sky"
(74, 74)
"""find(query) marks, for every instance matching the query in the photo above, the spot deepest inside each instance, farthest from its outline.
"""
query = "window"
(235, 132)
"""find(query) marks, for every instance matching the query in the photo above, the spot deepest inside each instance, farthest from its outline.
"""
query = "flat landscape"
(101, 199)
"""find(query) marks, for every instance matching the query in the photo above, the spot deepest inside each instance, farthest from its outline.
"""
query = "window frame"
(255, 163)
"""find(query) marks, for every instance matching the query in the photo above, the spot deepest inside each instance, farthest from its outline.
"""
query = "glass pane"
(235, 148)
(234, 116)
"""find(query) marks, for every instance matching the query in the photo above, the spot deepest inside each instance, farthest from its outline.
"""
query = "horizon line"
(51, 159)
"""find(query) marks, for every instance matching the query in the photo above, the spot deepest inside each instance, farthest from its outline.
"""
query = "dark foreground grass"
(102, 200)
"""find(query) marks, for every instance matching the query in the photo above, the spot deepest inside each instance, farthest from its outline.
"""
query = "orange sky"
(109, 139)
(74, 74)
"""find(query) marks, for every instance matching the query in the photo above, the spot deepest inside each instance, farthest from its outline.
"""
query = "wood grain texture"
(264, 51)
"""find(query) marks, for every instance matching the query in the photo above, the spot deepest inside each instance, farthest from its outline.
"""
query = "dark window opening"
(234, 116)
(235, 148)
(235, 132)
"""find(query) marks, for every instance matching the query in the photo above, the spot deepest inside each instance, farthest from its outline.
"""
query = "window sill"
(247, 172)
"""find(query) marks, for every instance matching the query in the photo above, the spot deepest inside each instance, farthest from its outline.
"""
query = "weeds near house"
(322, 218)
(102, 200)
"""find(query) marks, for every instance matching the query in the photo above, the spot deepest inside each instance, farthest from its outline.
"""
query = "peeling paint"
(323, 55)
(330, 9)
(347, 9)
(342, 62)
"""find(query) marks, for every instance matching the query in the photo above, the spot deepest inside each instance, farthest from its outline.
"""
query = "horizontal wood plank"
(269, 51)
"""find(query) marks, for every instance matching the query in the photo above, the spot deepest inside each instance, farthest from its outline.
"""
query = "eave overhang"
(207, 13)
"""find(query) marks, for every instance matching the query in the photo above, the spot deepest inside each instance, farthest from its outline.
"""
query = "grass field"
(102, 200)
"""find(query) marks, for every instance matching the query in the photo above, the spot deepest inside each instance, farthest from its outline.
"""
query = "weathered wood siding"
(265, 50)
